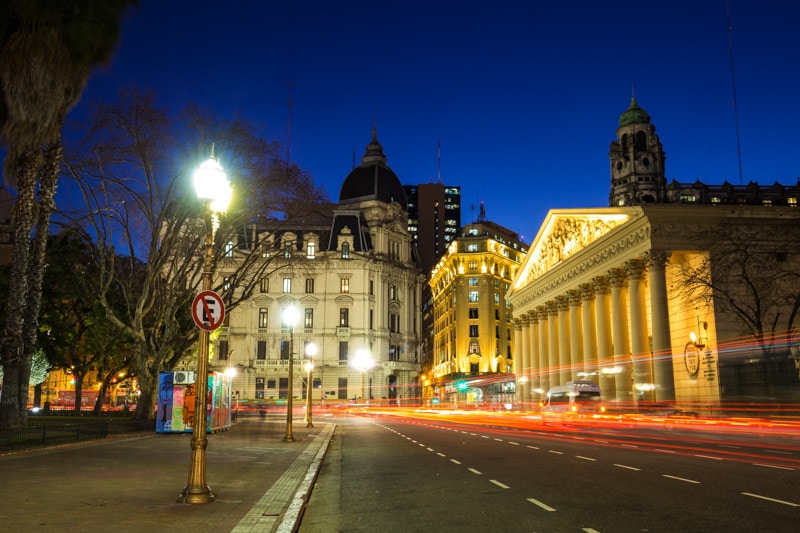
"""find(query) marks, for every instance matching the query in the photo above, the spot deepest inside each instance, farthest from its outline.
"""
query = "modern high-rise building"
(472, 356)
(434, 220)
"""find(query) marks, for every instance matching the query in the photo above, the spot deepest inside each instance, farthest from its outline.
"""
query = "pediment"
(563, 234)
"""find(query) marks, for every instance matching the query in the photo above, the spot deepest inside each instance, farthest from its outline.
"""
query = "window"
(311, 250)
(497, 332)
(473, 296)
(473, 312)
(264, 285)
(791, 202)
(344, 317)
(394, 322)
(287, 249)
(261, 350)
(342, 392)
(229, 249)
(343, 348)
(226, 283)
(283, 387)
(371, 287)
(287, 285)
(263, 318)
(345, 250)
(472, 265)
(497, 314)
(472, 247)
(270, 383)
(223, 351)
(309, 285)
(259, 388)
(285, 346)
(473, 330)
(473, 281)
(371, 315)
(496, 298)
(394, 352)
(308, 322)
(344, 285)
(393, 292)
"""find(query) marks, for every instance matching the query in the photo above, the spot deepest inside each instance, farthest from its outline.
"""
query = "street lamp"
(363, 362)
(311, 351)
(214, 190)
(290, 316)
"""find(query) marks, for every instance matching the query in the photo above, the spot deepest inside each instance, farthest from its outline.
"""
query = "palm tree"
(47, 51)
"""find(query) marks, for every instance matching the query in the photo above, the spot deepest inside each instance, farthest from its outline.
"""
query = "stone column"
(590, 363)
(552, 343)
(640, 342)
(663, 373)
(518, 366)
(619, 333)
(534, 378)
(564, 363)
(575, 335)
(526, 351)
(545, 372)
(602, 290)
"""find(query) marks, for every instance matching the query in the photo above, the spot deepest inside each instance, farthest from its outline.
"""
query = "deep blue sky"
(524, 95)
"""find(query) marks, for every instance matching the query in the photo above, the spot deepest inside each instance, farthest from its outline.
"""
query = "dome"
(634, 115)
(373, 180)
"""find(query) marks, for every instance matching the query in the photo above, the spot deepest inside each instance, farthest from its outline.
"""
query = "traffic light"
(461, 386)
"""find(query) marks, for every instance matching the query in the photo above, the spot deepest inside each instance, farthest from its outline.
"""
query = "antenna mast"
(733, 85)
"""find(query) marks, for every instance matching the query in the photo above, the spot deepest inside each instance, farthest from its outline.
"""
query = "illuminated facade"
(602, 296)
(473, 327)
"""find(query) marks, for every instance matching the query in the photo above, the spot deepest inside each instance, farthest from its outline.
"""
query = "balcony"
(391, 366)
(343, 332)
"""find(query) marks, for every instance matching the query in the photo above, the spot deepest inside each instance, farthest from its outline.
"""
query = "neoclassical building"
(602, 294)
(353, 275)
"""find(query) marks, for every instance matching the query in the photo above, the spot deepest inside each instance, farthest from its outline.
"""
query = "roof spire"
(374, 153)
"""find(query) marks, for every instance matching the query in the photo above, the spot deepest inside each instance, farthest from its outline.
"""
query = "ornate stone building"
(602, 294)
(354, 277)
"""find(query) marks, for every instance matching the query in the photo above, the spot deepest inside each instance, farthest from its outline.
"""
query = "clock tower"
(637, 161)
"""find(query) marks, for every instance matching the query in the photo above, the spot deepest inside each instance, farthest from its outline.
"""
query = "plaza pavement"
(131, 483)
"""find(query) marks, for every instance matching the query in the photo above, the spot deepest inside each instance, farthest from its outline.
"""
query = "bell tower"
(637, 161)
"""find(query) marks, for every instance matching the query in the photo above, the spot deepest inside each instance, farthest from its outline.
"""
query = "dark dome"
(373, 180)
(634, 115)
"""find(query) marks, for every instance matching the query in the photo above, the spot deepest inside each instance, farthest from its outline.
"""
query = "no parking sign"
(208, 311)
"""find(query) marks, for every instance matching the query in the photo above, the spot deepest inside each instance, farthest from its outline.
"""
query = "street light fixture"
(213, 188)
(290, 316)
(363, 362)
(311, 351)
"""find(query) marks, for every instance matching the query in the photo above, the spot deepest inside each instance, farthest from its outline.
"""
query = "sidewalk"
(131, 484)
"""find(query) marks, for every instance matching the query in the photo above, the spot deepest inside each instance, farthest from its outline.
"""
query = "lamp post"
(214, 190)
(290, 319)
(363, 362)
(311, 351)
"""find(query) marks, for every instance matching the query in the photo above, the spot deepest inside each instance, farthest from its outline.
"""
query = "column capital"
(618, 278)
(543, 312)
(574, 297)
(636, 269)
(586, 291)
(533, 316)
(601, 285)
(562, 302)
(658, 259)
(518, 323)
(552, 308)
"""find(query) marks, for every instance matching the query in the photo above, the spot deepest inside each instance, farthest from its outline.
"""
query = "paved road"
(396, 474)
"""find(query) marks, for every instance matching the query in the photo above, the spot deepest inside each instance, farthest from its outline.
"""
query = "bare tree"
(133, 172)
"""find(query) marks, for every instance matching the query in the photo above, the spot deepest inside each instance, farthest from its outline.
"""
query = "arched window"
(641, 140)
(345, 250)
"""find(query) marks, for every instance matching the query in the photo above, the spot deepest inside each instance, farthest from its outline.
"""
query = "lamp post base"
(196, 495)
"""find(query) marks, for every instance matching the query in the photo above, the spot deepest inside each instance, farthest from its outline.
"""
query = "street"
(460, 473)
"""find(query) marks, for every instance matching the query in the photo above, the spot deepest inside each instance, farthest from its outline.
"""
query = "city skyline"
(523, 99)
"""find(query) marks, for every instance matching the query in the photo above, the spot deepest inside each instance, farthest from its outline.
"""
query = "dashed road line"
(771, 499)
(555, 451)
(709, 457)
(440, 454)
(540, 504)
(628, 467)
(585, 458)
(532, 447)
(478, 472)
(454, 461)
(680, 478)
(502, 486)
(773, 466)
(514, 443)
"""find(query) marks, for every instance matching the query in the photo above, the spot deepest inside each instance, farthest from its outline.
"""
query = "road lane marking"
(454, 461)
(514, 443)
(771, 499)
(532, 447)
(440, 454)
(709, 457)
(589, 530)
(777, 451)
(484, 436)
(429, 449)
(628, 467)
(585, 458)
(680, 478)
(474, 471)
(499, 440)
(629, 446)
(556, 452)
(499, 484)
(665, 451)
(773, 466)
(540, 504)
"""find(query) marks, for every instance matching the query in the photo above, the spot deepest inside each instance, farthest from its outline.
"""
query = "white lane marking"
(420, 444)
(771, 499)
(484, 436)
(514, 443)
(601, 441)
(773, 466)
(680, 478)
(777, 451)
(499, 484)
(532, 447)
(589, 530)
(440, 454)
(412, 440)
(473, 434)
(628, 467)
(556, 452)
(629, 446)
(665, 451)
(429, 449)
(454, 461)
(499, 440)
(585, 458)
(709, 457)
(540, 504)
(474, 471)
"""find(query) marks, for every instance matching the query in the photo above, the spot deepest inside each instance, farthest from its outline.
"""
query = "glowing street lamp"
(363, 362)
(290, 316)
(213, 188)
(311, 351)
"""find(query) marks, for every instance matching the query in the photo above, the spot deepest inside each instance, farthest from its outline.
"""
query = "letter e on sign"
(208, 311)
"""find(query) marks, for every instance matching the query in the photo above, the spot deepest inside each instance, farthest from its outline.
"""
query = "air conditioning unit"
(259, 381)
(184, 377)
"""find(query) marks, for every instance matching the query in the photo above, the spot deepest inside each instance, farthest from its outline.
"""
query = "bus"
(577, 401)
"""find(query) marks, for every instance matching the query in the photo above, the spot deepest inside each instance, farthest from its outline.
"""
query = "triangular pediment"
(564, 233)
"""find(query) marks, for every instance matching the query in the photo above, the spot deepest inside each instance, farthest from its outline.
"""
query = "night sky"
(524, 96)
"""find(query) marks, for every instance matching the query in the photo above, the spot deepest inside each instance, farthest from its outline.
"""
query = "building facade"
(353, 276)
(615, 295)
(434, 220)
(473, 326)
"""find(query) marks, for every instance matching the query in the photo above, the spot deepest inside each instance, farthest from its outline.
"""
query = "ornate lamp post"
(214, 190)
(290, 315)
(363, 362)
(311, 351)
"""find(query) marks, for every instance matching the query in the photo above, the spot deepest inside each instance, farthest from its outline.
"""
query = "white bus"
(574, 402)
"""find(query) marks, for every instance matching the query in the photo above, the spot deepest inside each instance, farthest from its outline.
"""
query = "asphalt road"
(386, 474)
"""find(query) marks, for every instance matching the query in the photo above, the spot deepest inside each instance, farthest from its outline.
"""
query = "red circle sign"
(208, 311)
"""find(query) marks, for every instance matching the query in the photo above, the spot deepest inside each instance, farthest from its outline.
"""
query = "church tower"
(637, 161)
